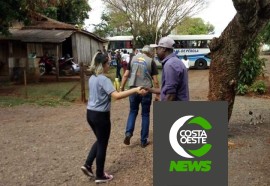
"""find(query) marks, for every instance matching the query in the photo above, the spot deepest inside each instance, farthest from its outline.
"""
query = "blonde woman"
(101, 90)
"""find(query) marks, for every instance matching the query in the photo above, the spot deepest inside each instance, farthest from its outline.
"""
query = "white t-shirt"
(186, 63)
(125, 57)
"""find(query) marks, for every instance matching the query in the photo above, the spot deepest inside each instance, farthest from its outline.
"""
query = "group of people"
(122, 59)
(141, 72)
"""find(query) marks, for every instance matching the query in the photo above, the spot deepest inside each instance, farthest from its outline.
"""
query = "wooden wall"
(3, 58)
(42, 48)
(11, 52)
(84, 48)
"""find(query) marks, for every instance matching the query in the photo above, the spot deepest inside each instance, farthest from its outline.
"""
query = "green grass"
(49, 94)
(7, 101)
(46, 94)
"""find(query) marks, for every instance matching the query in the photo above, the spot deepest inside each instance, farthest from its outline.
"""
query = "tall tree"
(69, 11)
(152, 19)
(73, 11)
(103, 29)
(13, 10)
(112, 23)
(227, 51)
(193, 26)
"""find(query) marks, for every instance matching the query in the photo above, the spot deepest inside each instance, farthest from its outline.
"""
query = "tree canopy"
(152, 19)
(10, 11)
(68, 11)
(194, 26)
(112, 23)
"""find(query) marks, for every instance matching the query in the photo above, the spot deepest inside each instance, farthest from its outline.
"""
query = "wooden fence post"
(57, 62)
(25, 83)
(82, 79)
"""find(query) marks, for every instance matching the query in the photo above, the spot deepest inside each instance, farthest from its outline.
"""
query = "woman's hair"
(97, 63)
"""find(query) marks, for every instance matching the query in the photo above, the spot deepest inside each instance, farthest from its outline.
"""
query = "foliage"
(251, 66)
(266, 34)
(69, 11)
(194, 26)
(9, 11)
(258, 87)
(113, 23)
(103, 29)
(50, 11)
(242, 89)
(73, 11)
(116, 23)
(149, 20)
(18, 10)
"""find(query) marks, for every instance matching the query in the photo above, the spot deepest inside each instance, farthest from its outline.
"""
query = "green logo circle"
(192, 136)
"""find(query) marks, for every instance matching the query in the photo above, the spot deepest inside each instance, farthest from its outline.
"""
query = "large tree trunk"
(228, 49)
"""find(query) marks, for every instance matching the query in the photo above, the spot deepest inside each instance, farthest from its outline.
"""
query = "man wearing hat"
(174, 73)
(141, 71)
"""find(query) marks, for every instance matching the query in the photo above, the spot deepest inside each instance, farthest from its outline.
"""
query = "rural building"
(45, 36)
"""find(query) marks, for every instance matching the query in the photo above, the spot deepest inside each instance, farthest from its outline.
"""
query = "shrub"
(242, 89)
(251, 67)
(258, 87)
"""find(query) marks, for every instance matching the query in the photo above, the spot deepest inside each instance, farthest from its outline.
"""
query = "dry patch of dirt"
(47, 146)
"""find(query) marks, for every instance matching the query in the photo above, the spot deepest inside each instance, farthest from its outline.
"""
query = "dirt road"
(47, 146)
(198, 84)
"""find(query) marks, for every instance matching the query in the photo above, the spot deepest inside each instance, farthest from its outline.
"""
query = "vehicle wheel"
(42, 69)
(200, 64)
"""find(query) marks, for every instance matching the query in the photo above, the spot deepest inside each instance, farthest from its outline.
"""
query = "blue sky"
(219, 13)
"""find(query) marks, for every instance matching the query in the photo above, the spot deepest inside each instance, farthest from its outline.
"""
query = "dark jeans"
(135, 100)
(101, 126)
(118, 73)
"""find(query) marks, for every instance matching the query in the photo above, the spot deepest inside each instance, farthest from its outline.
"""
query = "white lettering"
(193, 137)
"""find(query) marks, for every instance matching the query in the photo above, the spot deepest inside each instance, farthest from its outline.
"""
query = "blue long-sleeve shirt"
(174, 78)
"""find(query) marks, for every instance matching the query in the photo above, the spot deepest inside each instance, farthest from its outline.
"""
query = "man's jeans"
(135, 101)
(118, 73)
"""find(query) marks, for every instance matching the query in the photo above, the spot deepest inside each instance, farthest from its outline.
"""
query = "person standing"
(125, 60)
(118, 60)
(185, 60)
(141, 71)
(101, 90)
(174, 74)
(134, 53)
